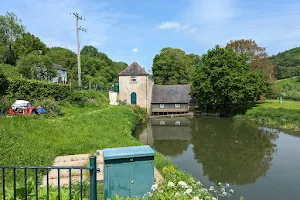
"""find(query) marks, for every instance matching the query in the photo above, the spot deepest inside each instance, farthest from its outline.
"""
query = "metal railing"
(26, 194)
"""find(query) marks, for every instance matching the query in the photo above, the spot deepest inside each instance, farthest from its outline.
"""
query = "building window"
(133, 79)
(177, 123)
(177, 105)
(162, 123)
(161, 105)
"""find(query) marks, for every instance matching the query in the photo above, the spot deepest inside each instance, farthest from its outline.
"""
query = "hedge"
(33, 89)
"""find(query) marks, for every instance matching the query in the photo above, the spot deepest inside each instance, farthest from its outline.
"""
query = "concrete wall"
(142, 87)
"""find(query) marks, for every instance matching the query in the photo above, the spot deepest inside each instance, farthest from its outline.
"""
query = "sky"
(136, 30)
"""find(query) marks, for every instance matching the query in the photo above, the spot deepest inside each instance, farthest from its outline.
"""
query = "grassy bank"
(38, 140)
(284, 116)
(289, 88)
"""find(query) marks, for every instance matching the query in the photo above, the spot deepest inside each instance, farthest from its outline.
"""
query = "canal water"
(259, 163)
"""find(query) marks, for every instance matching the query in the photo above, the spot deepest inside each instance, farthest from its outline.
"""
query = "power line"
(78, 28)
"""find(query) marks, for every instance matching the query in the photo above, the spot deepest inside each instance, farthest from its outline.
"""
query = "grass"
(283, 116)
(289, 88)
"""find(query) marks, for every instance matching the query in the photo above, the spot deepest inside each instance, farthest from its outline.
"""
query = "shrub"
(51, 106)
(32, 89)
(3, 84)
(89, 98)
(5, 104)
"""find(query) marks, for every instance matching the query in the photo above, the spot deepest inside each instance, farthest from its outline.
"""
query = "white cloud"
(135, 50)
(177, 26)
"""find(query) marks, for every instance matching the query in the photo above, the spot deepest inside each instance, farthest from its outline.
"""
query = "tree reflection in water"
(232, 152)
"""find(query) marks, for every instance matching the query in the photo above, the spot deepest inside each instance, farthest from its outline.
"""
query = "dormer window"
(133, 79)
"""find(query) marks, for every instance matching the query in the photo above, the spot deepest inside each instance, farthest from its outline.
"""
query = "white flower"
(171, 184)
(195, 198)
(224, 193)
(183, 184)
(149, 194)
(204, 190)
(219, 183)
(227, 185)
(222, 190)
(188, 191)
(160, 191)
(213, 198)
(211, 188)
(177, 194)
(231, 190)
(154, 187)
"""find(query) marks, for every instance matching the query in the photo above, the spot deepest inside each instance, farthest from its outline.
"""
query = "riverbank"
(38, 140)
(283, 116)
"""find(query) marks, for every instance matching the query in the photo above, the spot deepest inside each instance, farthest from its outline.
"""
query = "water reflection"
(232, 152)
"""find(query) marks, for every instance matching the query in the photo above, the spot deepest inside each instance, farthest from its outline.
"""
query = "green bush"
(3, 84)
(51, 106)
(87, 98)
(5, 104)
(32, 89)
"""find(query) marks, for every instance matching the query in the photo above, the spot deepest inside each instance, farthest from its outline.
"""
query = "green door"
(133, 98)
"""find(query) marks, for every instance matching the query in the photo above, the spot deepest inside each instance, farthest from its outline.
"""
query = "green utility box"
(128, 171)
(116, 87)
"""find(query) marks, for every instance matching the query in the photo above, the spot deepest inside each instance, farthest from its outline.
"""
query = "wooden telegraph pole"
(78, 28)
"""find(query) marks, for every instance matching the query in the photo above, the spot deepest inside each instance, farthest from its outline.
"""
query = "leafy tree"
(3, 84)
(173, 66)
(11, 28)
(258, 57)
(89, 51)
(34, 66)
(224, 83)
(28, 43)
(9, 71)
(66, 58)
(286, 62)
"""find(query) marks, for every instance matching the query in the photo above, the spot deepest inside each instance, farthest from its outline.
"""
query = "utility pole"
(78, 28)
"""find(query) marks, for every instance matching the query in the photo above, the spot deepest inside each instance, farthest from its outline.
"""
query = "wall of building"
(142, 87)
(62, 74)
(170, 107)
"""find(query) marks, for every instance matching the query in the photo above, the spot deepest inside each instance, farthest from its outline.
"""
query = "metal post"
(93, 178)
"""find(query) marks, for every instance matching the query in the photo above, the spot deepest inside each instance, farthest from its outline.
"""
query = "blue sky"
(135, 30)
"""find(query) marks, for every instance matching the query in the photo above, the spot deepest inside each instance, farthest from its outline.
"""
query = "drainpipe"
(146, 94)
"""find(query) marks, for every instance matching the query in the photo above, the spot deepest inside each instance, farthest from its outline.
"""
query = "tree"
(257, 56)
(173, 66)
(89, 51)
(9, 71)
(34, 66)
(224, 83)
(28, 43)
(11, 28)
(3, 84)
(66, 58)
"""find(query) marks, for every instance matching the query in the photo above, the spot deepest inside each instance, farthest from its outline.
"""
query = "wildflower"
(213, 198)
(183, 184)
(219, 183)
(203, 190)
(149, 194)
(188, 191)
(222, 190)
(160, 191)
(171, 184)
(224, 193)
(195, 198)
(231, 190)
(154, 187)
(227, 185)
(211, 188)
(177, 194)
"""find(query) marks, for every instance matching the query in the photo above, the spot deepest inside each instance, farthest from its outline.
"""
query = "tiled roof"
(133, 70)
(171, 94)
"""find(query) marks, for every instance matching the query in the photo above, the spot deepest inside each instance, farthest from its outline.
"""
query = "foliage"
(66, 58)
(289, 89)
(5, 104)
(28, 43)
(174, 66)
(51, 106)
(32, 90)
(284, 116)
(89, 98)
(9, 71)
(11, 28)
(90, 51)
(287, 63)
(34, 66)
(224, 83)
(3, 84)
(258, 57)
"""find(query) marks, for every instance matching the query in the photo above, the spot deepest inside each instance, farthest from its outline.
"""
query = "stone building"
(137, 87)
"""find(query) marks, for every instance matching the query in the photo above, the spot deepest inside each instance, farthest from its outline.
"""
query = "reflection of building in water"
(167, 134)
